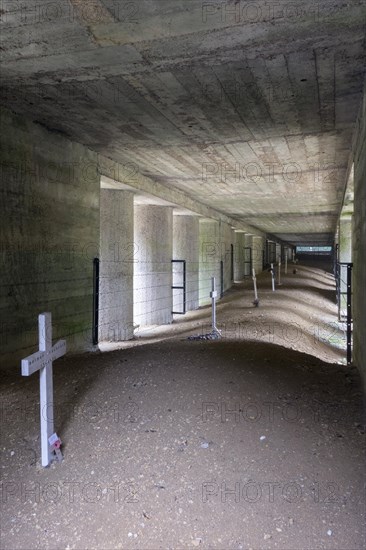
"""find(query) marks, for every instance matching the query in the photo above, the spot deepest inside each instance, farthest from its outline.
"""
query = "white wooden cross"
(42, 361)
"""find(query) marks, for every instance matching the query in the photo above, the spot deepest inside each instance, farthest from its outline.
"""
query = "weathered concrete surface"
(344, 256)
(243, 118)
(186, 247)
(359, 246)
(239, 257)
(49, 237)
(226, 245)
(117, 257)
(278, 252)
(250, 110)
(129, 175)
(153, 239)
(257, 253)
(345, 239)
(209, 259)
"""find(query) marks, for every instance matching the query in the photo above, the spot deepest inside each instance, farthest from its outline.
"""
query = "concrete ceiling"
(249, 107)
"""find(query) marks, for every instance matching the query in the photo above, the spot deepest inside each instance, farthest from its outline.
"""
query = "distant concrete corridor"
(301, 314)
(243, 443)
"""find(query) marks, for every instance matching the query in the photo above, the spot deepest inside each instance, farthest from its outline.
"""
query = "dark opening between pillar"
(183, 286)
(95, 299)
(221, 279)
(248, 262)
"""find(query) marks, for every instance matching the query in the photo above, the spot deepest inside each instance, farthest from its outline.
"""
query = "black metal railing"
(344, 300)
(183, 286)
(248, 261)
(95, 300)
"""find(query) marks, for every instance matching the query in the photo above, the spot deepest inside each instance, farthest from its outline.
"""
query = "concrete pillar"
(287, 253)
(116, 265)
(186, 247)
(227, 239)
(257, 254)
(270, 252)
(345, 255)
(278, 252)
(345, 240)
(239, 256)
(209, 258)
(153, 301)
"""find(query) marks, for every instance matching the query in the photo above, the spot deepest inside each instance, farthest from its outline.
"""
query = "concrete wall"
(186, 247)
(49, 236)
(239, 256)
(359, 248)
(209, 258)
(117, 256)
(153, 239)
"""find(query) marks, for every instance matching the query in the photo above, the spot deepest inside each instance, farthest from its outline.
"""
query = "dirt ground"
(255, 441)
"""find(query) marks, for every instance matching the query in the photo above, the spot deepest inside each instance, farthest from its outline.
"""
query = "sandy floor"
(254, 441)
(301, 314)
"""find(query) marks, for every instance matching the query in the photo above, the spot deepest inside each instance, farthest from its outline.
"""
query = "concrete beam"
(130, 177)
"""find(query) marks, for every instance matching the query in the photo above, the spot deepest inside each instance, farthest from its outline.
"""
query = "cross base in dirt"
(42, 361)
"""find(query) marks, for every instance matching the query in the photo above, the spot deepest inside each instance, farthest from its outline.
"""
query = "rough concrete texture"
(278, 252)
(226, 244)
(209, 259)
(257, 253)
(345, 239)
(270, 252)
(153, 239)
(359, 246)
(344, 256)
(117, 257)
(49, 236)
(236, 105)
(186, 247)
(242, 114)
(239, 256)
(247, 442)
(131, 175)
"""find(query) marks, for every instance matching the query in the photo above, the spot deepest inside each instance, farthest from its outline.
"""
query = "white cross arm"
(40, 359)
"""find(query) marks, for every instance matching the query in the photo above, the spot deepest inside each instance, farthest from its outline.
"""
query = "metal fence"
(343, 277)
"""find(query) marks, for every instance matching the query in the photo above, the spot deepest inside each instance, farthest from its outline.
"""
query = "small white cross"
(42, 361)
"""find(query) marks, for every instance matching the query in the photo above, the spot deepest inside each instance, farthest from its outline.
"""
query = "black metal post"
(338, 288)
(95, 299)
(349, 313)
(248, 261)
(183, 287)
(221, 279)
